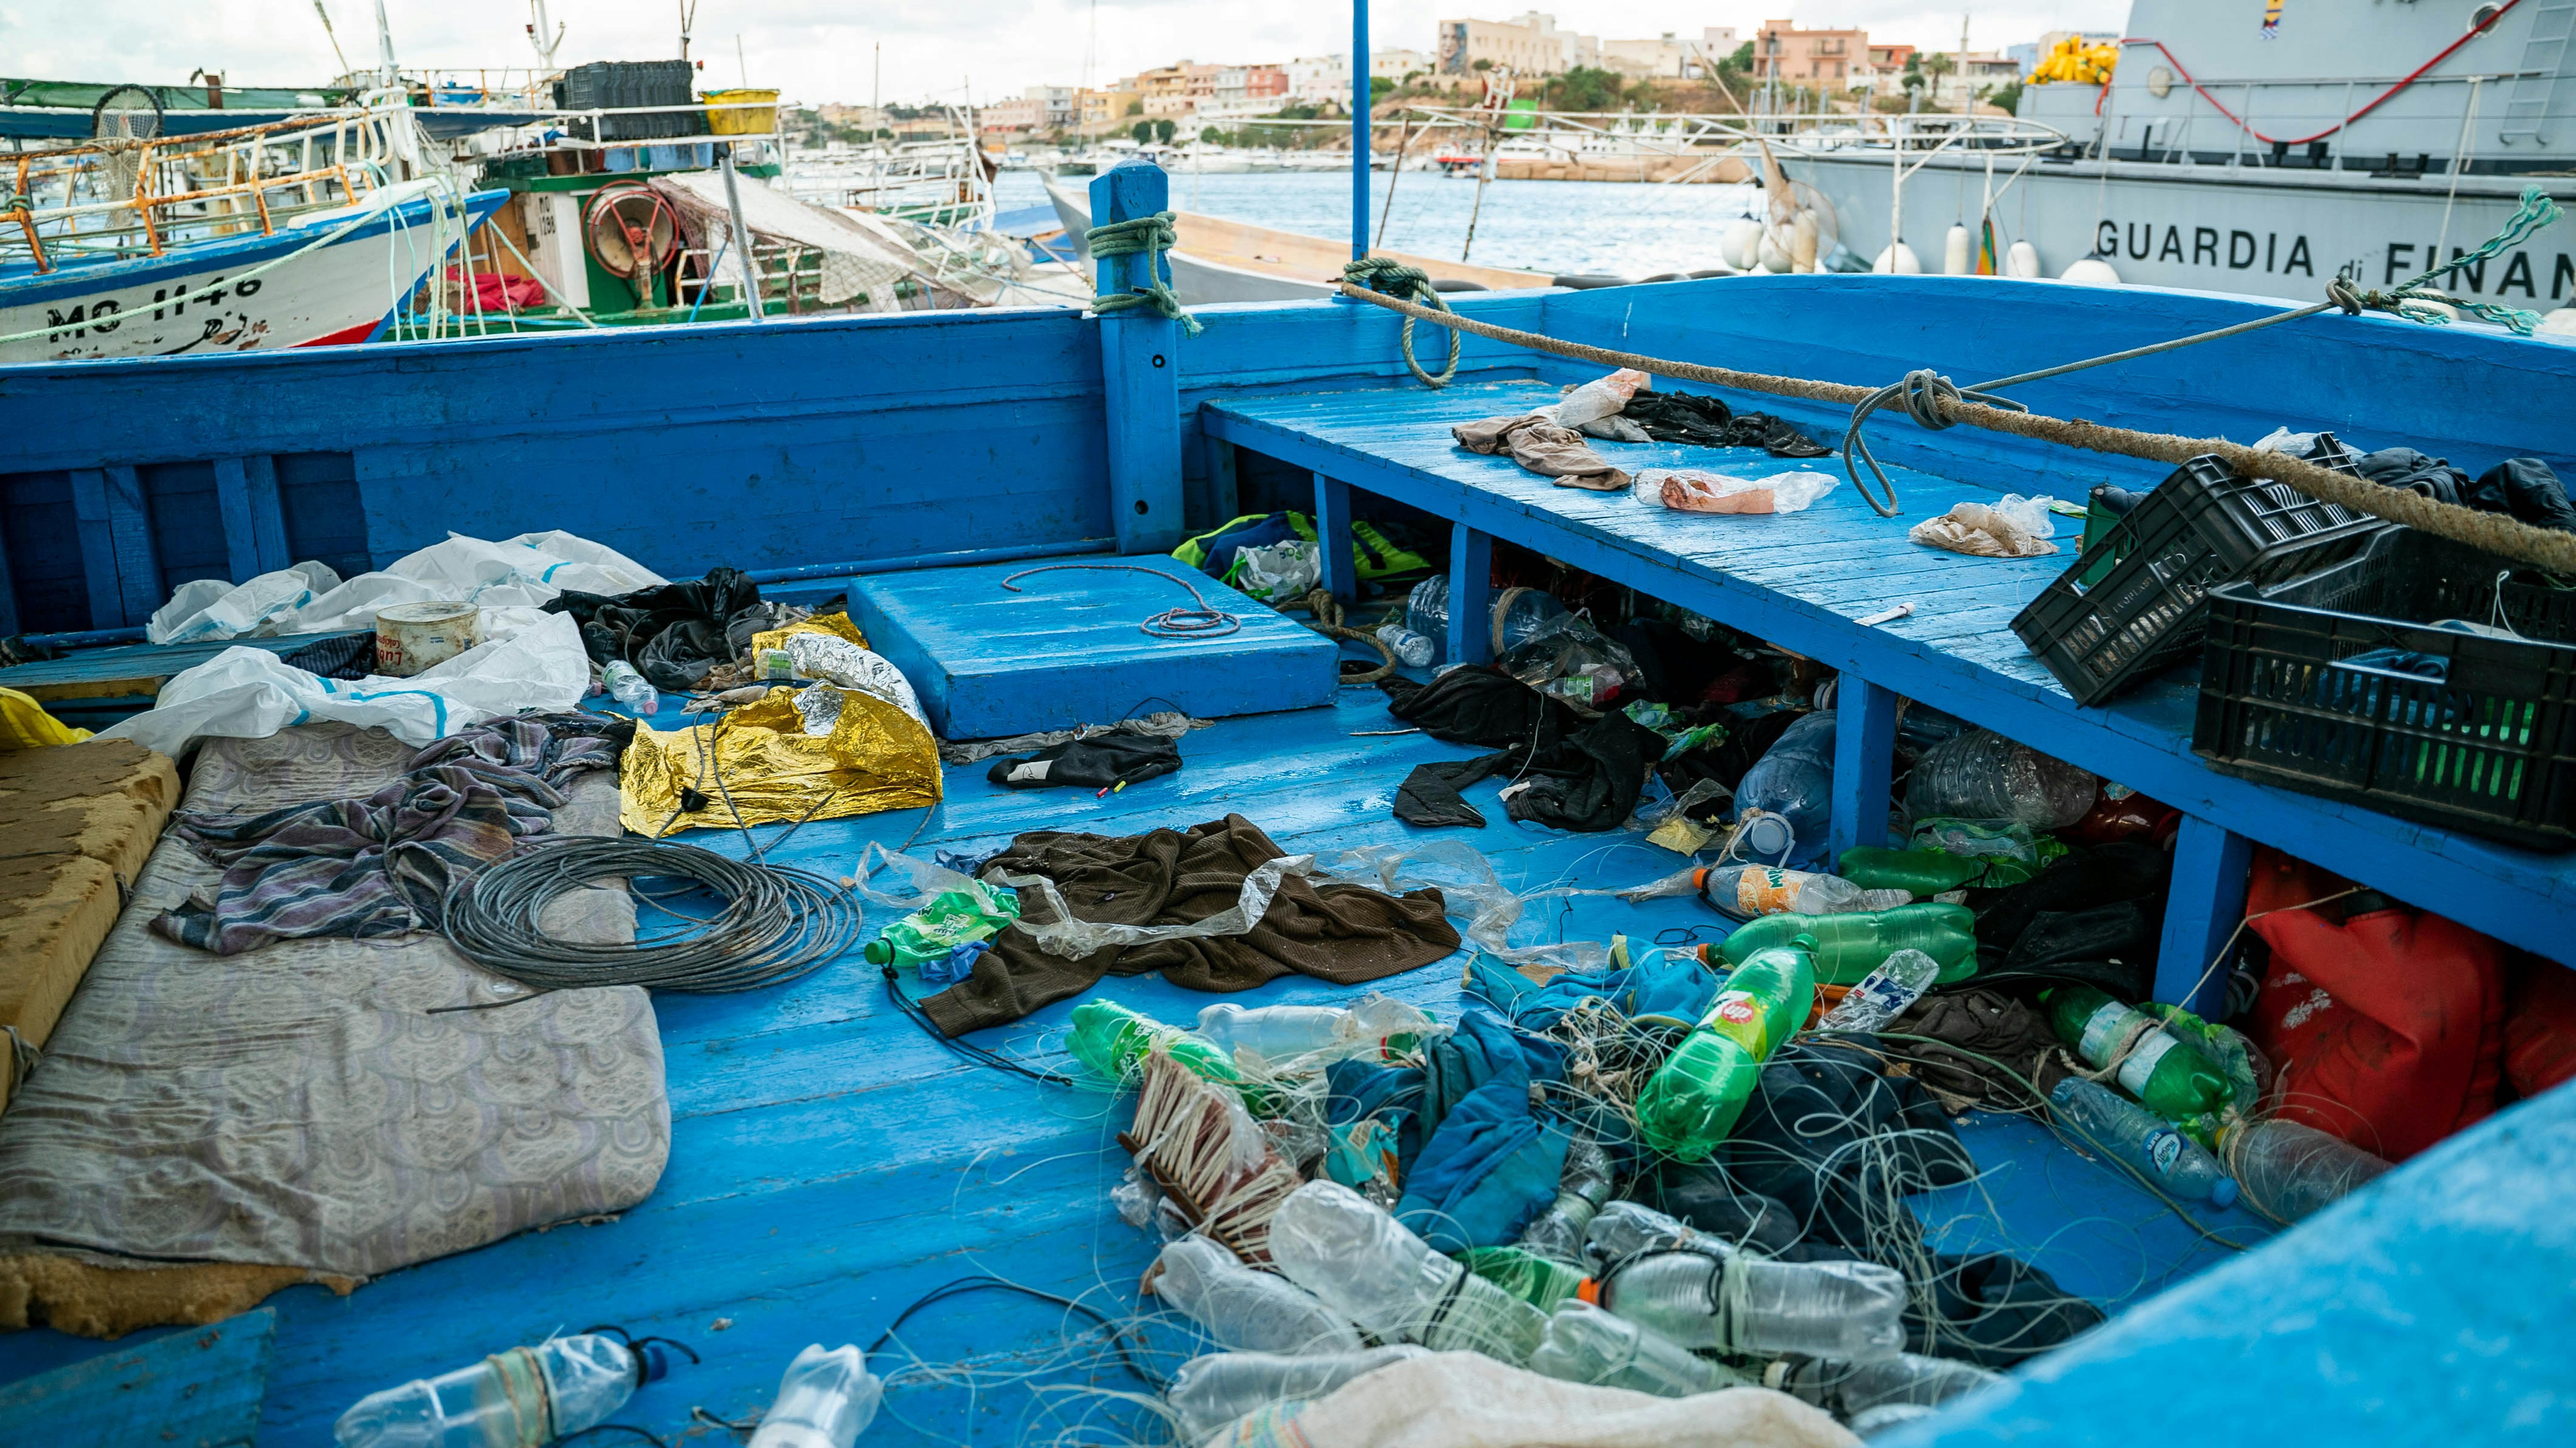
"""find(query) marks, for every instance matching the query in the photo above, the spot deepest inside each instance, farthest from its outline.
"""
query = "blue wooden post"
(1224, 492)
(2201, 910)
(1333, 537)
(1864, 755)
(1140, 373)
(1471, 596)
(1360, 129)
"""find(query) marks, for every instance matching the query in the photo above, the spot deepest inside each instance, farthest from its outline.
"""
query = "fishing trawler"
(242, 1194)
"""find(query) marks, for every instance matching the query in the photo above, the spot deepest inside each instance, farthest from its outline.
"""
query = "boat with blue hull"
(830, 1163)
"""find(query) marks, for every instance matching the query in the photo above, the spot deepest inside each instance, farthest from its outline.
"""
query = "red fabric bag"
(2385, 1027)
(2540, 1032)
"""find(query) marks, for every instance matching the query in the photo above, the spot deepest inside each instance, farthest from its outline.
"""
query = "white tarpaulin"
(865, 254)
(522, 572)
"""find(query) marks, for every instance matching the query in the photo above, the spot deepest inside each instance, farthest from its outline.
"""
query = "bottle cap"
(877, 952)
(1589, 1290)
(2223, 1194)
(656, 1363)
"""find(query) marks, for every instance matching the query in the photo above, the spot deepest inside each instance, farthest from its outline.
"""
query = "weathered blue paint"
(1067, 648)
(1864, 753)
(196, 1388)
(1140, 371)
(1333, 538)
(1471, 596)
(832, 572)
(2203, 909)
(1362, 93)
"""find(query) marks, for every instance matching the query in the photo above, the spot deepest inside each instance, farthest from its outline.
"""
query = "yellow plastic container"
(751, 120)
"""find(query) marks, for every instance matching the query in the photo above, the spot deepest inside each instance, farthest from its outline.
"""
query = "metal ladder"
(2544, 56)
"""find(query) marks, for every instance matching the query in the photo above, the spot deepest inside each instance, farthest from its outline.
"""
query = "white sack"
(211, 608)
(523, 572)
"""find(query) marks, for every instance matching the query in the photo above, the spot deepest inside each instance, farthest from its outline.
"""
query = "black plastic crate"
(2335, 684)
(622, 84)
(2131, 605)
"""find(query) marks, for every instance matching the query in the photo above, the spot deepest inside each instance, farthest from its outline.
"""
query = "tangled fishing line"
(775, 923)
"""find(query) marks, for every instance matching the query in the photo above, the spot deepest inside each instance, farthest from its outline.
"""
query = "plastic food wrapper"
(877, 757)
(529, 660)
(1691, 490)
(525, 572)
(2011, 527)
(1571, 659)
(1286, 570)
(1599, 398)
(1471, 892)
(1046, 919)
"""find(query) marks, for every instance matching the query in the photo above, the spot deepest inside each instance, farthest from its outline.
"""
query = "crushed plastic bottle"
(2289, 1171)
(2162, 1069)
(1848, 1390)
(1920, 873)
(1542, 1282)
(527, 1394)
(1246, 1310)
(630, 688)
(1211, 1391)
(1413, 650)
(1580, 1190)
(1377, 1029)
(1627, 1230)
(1518, 613)
(1694, 1097)
(1794, 780)
(2141, 1138)
(1745, 1304)
(1982, 775)
(953, 918)
(1884, 993)
(826, 1400)
(1367, 1266)
(1586, 1345)
(1742, 892)
(1849, 947)
(1111, 1040)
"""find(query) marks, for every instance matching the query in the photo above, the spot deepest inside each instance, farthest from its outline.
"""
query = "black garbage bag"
(1840, 1143)
(2404, 467)
(1703, 1196)
(673, 634)
(1995, 1311)
(1097, 763)
(2527, 489)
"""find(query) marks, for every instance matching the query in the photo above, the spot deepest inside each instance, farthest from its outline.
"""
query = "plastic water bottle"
(951, 919)
(2291, 1171)
(1586, 1345)
(1411, 649)
(1851, 1311)
(1627, 1230)
(1518, 613)
(528, 1394)
(1693, 1099)
(2162, 1069)
(1884, 994)
(1247, 1310)
(1367, 1266)
(1981, 775)
(1848, 1390)
(1580, 1190)
(1211, 1391)
(1542, 1282)
(1742, 892)
(1848, 947)
(2141, 1138)
(1920, 873)
(1794, 779)
(1375, 1029)
(630, 688)
(827, 1400)
(1113, 1040)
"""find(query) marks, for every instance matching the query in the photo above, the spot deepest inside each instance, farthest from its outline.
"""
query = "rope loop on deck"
(1149, 237)
(1412, 284)
(1931, 400)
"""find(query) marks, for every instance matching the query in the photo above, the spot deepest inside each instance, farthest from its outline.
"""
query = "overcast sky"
(823, 50)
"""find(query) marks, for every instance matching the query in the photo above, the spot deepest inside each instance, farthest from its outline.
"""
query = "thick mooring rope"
(1382, 274)
(1149, 237)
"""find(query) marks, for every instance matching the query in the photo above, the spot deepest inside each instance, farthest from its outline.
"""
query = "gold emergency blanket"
(877, 757)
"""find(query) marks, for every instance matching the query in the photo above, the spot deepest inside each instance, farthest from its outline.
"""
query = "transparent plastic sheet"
(1474, 894)
(1046, 919)
(1281, 571)
(1568, 657)
(1982, 775)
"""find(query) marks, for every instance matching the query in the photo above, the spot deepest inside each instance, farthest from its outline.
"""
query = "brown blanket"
(1346, 934)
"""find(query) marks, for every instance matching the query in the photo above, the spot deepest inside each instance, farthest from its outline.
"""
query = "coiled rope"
(776, 924)
(1202, 622)
(1938, 397)
(1149, 237)
(1395, 279)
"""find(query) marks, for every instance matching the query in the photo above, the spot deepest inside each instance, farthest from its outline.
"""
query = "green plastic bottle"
(951, 919)
(1111, 1040)
(1533, 1279)
(1924, 872)
(1849, 947)
(1691, 1102)
(2165, 1071)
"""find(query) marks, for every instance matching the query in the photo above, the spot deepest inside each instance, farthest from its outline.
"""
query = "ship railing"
(754, 127)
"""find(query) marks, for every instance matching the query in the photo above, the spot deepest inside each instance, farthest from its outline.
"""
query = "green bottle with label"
(951, 919)
(1113, 1040)
(1691, 1102)
(1849, 947)
(2164, 1071)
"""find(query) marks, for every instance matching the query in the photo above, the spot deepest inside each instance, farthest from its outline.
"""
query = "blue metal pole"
(1359, 129)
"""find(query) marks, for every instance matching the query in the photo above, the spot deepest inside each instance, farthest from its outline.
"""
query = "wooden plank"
(197, 1387)
(2203, 908)
(270, 549)
(1333, 538)
(1225, 497)
(98, 547)
(133, 671)
(232, 497)
(1140, 374)
(138, 563)
(1864, 753)
(1471, 596)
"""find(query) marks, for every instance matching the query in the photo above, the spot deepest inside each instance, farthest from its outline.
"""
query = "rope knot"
(1927, 397)
(1410, 284)
(2341, 292)
(1149, 237)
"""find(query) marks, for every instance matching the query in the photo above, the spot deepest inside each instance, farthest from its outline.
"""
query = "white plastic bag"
(523, 572)
(1690, 490)
(531, 661)
(1281, 571)
(1599, 398)
(210, 608)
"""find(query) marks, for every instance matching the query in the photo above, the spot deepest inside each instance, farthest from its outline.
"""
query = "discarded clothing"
(1162, 724)
(1346, 934)
(1704, 1197)
(1413, 1102)
(2527, 489)
(1981, 531)
(1489, 1166)
(1987, 1027)
(1841, 1144)
(381, 866)
(1709, 422)
(1573, 776)
(1993, 1310)
(1481, 705)
(1102, 763)
(2101, 904)
(1377, 552)
(1430, 796)
(673, 634)
(1544, 448)
(2404, 467)
(1669, 989)
(349, 656)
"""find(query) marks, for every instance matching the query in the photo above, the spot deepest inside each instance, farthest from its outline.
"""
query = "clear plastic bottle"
(1981, 775)
(528, 1394)
(2162, 1069)
(1848, 947)
(1247, 1310)
(1366, 1265)
(1111, 1040)
(1744, 1304)
(1372, 1030)
(1848, 1390)
(1884, 993)
(1586, 1345)
(2289, 1171)
(1518, 613)
(1742, 892)
(1211, 1391)
(826, 1400)
(1794, 779)
(2141, 1138)
(1580, 1190)
(630, 688)
(1413, 650)
(1627, 1230)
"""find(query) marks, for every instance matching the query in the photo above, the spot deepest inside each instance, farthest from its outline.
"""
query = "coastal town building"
(1815, 59)
(1527, 44)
